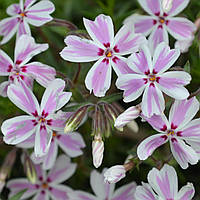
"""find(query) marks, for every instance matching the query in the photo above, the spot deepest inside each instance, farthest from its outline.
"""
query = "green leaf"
(187, 67)
(73, 108)
(112, 97)
(18, 195)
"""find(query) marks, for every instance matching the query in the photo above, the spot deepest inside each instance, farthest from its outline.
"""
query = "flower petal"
(158, 35)
(5, 64)
(127, 116)
(183, 153)
(172, 84)
(182, 112)
(28, 143)
(26, 48)
(50, 99)
(126, 41)
(71, 143)
(186, 192)
(4, 88)
(60, 192)
(125, 192)
(28, 3)
(147, 146)
(62, 170)
(98, 78)
(80, 50)
(43, 74)
(152, 101)
(13, 9)
(158, 122)
(41, 195)
(39, 13)
(80, 195)
(120, 66)
(8, 27)
(132, 84)
(141, 62)
(177, 7)
(23, 29)
(181, 28)
(101, 30)
(23, 98)
(151, 6)
(42, 141)
(164, 58)
(50, 157)
(17, 185)
(64, 98)
(145, 192)
(164, 182)
(17, 129)
(98, 185)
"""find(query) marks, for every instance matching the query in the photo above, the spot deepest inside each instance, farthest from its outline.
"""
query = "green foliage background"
(119, 145)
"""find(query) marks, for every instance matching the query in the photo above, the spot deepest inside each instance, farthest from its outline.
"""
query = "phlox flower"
(71, 144)
(23, 14)
(41, 120)
(48, 185)
(151, 78)
(180, 130)
(105, 48)
(163, 185)
(160, 22)
(20, 69)
(104, 190)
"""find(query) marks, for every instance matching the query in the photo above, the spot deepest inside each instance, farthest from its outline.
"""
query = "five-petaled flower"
(24, 14)
(104, 190)
(47, 185)
(20, 70)
(42, 120)
(165, 185)
(160, 23)
(105, 48)
(181, 131)
(150, 77)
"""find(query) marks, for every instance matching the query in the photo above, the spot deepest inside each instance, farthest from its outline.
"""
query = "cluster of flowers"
(144, 72)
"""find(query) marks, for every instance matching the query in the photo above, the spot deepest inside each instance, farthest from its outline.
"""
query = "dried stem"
(77, 74)
(197, 92)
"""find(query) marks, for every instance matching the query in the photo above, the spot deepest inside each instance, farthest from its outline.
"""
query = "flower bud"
(127, 116)
(167, 5)
(76, 119)
(6, 167)
(114, 174)
(29, 169)
(97, 150)
(110, 112)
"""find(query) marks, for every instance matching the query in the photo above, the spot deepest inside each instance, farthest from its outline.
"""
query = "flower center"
(54, 134)
(170, 132)
(162, 20)
(108, 53)
(42, 119)
(44, 185)
(22, 14)
(152, 78)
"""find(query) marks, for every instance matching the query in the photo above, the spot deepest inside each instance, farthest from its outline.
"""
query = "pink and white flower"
(104, 190)
(151, 78)
(41, 120)
(48, 185)
(105, 48)
(180, 130)
(160, 22)
(20, 69)
(23, 14)
(162, 185)
(71, 144)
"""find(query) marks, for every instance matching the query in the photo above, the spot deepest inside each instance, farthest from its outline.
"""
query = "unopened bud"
(127, 116)
(6, 167)
(184, 45)
(97, 150)
(97, 123)
(29, 169)
(107, 129)
(114, 174)
(76, 119)
(167, 5)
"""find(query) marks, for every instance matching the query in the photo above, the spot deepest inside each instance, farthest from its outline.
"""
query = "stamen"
(44, 185)
(17, 73)
(170, 133)
(109, 54)
(162, 20)
(42, 120)
(22, 14)
(54, 134)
